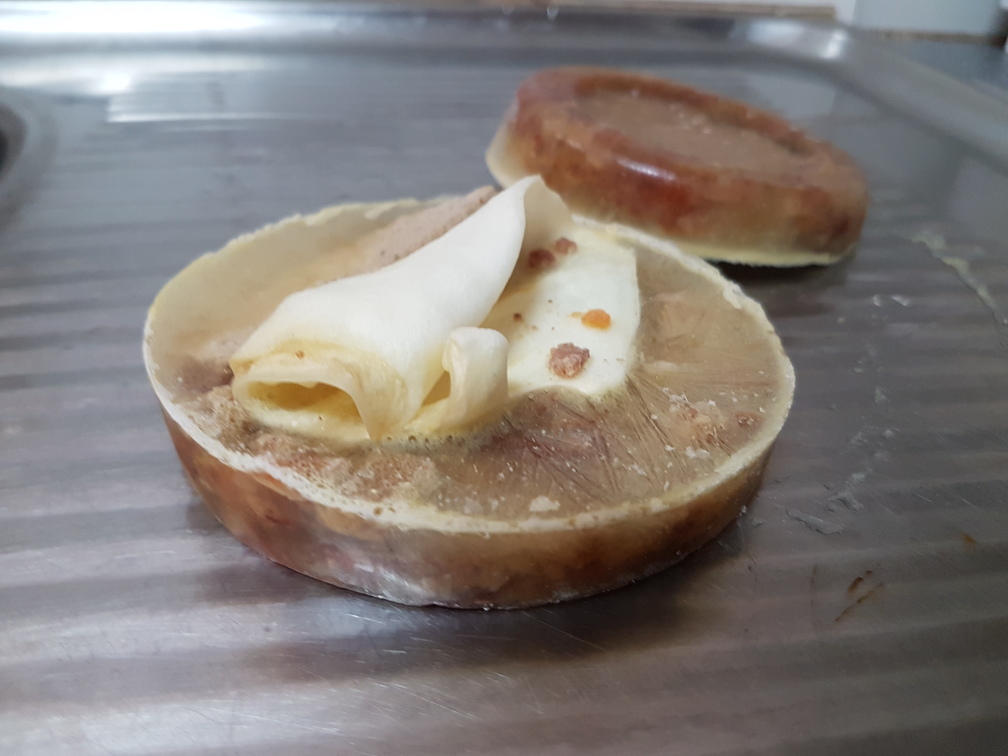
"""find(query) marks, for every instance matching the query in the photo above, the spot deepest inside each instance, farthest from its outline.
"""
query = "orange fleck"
(596, 319)
(299, 354)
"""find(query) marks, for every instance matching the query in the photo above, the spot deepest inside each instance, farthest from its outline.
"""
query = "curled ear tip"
(475, 334)
(476, 361)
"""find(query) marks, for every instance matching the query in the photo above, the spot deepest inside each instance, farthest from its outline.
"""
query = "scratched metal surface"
(860, 605)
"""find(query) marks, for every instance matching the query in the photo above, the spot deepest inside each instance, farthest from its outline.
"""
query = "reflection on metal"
(26, 136)
(115, 18)
(822, 42)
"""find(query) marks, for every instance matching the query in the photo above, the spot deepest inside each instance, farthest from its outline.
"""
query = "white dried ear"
(476, 360)
(379, 337)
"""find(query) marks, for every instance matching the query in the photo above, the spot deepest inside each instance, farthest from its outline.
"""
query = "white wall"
(946, 16)
(934, 16)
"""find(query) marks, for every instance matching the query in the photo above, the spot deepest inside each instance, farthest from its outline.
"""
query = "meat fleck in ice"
(567, 360)
(563, 245)
(540, 258)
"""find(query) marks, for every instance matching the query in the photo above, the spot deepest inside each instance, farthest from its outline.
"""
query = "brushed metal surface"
(860, 605)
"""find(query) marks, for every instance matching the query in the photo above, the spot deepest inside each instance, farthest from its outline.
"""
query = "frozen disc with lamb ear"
(476, 402)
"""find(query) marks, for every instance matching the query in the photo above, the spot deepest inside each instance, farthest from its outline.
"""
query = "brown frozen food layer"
(733, 182)
(561, 495)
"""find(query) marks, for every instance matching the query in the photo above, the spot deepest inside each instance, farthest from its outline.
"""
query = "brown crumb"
(563, 245)
(596, 319)
(856, 582)
(540, 258)
(860, 600)
(517, 316)
(299, 354)
(567, 360)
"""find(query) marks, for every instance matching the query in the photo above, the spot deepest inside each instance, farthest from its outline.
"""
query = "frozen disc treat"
(476, 402)
(727, 181)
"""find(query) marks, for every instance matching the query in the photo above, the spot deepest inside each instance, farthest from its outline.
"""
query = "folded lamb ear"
(476, 360)
(379, 337)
